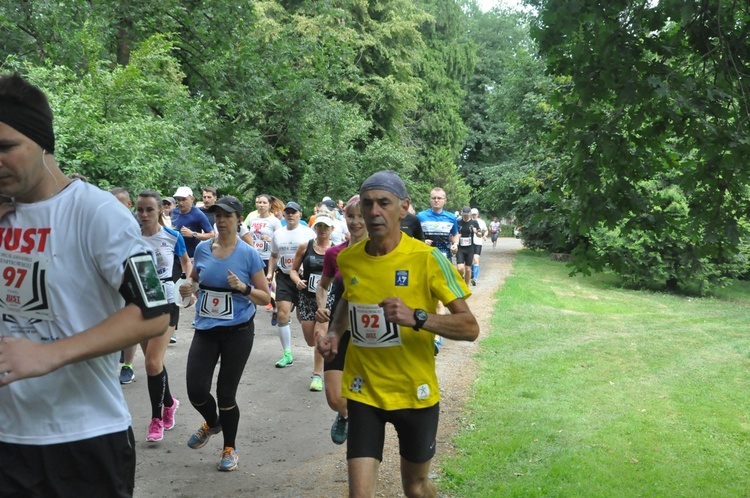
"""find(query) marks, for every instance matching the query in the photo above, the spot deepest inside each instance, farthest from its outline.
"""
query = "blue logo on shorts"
(402, 278)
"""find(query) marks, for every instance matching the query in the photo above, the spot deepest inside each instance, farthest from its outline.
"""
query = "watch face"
(421, 315)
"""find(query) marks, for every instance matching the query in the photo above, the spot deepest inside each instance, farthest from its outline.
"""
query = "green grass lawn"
(586, 389)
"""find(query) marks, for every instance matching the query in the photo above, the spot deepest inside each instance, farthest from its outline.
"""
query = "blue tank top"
(217, 304)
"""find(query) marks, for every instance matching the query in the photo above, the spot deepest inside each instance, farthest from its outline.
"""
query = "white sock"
(285, 335)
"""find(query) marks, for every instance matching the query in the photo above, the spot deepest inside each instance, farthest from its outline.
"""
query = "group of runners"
(369, 296)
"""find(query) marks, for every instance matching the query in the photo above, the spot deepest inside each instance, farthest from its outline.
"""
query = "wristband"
(248, 289)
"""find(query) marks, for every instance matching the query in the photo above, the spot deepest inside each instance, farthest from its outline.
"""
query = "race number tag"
(465, 241)
(216, 305)
(24, 286)
(286, 262)
(259, 244)
(313, 281)
(370, 328)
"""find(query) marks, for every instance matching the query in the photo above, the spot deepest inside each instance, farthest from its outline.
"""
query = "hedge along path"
(326, 476)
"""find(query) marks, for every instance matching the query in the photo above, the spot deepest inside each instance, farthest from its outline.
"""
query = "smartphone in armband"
(149, 286)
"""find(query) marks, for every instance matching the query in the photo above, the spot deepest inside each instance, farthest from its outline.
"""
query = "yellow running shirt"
(388, 366)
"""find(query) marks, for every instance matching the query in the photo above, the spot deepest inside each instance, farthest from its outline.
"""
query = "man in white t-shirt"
(80, 286)
(479, 238)
(283, 247)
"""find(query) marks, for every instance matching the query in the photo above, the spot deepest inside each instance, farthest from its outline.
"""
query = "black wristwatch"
(248, 289)
(420, 316)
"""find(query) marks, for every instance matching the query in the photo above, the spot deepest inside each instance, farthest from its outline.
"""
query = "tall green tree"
(508, 158)
(299, 98)
(436, 125)
(656, 93)
(132, 126)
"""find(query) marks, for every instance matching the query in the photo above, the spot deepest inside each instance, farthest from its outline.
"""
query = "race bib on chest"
(218, 305)
(24, 286)
(286, 262)
(370, 328)
(465, 241)
(312, 282)
(260, 245)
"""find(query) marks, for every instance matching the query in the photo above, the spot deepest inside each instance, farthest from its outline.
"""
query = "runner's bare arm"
(299, 255)
(272, 262)
(22, 358)
(328, 345)
(322, 314)
(459, 325)
(187, 265)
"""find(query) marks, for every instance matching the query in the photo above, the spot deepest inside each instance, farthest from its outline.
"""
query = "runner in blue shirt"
(190, 221)
(440, 228)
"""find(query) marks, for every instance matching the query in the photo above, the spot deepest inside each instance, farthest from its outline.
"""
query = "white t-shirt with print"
(66, 255)
(258, 228)
(167, 244)
(285, 243)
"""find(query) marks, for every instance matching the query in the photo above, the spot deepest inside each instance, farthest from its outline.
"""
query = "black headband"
(29, 122)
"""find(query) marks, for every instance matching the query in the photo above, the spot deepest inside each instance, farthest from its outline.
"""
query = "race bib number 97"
(370, 328)
(24, 287)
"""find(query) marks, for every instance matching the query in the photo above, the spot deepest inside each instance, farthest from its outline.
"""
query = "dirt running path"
(283, 442)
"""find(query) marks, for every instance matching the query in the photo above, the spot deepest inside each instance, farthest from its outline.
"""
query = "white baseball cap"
(324, 219)
(183, 192)
(474, 211)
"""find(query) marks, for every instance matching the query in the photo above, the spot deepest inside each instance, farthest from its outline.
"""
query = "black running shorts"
(285, 288)
(416, 429)
(107, 462)
(465, 255)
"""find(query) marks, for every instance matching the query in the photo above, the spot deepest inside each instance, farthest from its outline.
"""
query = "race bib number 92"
(370, 329)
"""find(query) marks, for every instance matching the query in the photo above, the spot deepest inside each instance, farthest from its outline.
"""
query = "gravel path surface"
(284, 441)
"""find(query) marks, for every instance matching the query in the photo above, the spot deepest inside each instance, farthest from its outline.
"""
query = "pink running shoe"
(155, 430)
(167, 414)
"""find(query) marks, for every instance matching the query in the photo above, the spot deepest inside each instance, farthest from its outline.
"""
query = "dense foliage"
(297, 98)
(656, 127)
(613, 130)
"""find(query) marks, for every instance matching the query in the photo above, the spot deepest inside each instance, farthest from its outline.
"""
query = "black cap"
(292, 205)
(466, 210)
(329, 204)
(228, 203)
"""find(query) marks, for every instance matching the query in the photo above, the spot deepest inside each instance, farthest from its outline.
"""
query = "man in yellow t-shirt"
(392, 286)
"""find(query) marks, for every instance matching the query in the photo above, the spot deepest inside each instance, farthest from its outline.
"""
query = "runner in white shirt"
(479, 238)
(494, 230)
(283, 248)
(262, 224)
(80, 285)
(167, 244)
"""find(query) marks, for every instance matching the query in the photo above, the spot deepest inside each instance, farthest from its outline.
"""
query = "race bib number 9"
(24, 286)
(370, 328)
(217, 305)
